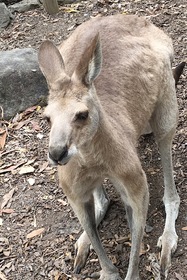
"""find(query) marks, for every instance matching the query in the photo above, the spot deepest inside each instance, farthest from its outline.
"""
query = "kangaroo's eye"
(81, 116)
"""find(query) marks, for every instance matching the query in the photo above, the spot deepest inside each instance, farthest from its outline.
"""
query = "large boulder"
(24, 5)
(21, 82)
(5, 16)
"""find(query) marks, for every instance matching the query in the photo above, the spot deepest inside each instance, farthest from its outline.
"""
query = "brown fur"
(117, 70)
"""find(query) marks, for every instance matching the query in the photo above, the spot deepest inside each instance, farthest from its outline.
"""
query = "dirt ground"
(29, 187)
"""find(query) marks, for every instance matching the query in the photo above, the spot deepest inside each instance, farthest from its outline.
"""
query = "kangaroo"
(107, 82)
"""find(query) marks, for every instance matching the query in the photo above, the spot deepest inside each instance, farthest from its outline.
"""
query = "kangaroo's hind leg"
(163, 123)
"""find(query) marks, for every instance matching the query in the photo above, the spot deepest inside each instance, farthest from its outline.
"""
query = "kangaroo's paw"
(82, 248)
(109, 276)
(168, 244)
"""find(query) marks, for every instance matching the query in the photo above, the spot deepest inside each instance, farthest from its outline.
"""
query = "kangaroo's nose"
(57, 154)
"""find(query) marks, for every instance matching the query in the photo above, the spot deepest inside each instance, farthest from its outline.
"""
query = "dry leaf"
(40, 136)
(57, 275)
(6, 211)
(6, 253)
(184, 228)
(65, 276)
(64, 203)
(5, 266)
(114, 259)
(31, 181)
(152, 171)
(7, 197)
(21, 124)
(30, 161)
(35, 126)
(16, 118)
(4, 240)
(69, 10)
(30, 110)
(11, 168)
(122, 239)
(55, 20)
(155, 266)
(71, 237)
(35, 232)
(2, 276)
(144, 250)
(178, 276)
(17, 121)
(3, 136)
(26, 169)
(148, 268)
(44, 166)
(68, 256)
(7, 152)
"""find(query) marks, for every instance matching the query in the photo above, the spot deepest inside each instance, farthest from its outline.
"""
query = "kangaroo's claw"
(168, 244)
(82, 247)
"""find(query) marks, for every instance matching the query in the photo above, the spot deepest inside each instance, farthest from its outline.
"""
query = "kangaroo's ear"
(90, 63)
(50, 61)
(177, 71)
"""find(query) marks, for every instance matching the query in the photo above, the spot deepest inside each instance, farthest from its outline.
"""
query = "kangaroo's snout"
(58, 154)
(61, 155)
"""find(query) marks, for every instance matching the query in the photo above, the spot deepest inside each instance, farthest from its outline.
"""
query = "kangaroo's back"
(135, 56)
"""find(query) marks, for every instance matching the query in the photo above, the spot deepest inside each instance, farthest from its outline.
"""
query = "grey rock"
(5, 16)
(24, 6)
(148, 228)
(68, 1)
(22, 84)
(63, 2)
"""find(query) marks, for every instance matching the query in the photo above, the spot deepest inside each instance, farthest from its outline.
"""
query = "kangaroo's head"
(73, 110)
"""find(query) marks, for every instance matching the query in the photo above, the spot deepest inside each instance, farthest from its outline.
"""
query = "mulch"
(37, 226)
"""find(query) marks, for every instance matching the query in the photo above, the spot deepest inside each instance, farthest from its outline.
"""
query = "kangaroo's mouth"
(63, 158)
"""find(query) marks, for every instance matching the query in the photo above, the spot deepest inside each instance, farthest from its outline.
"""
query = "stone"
(62, 2)
(22, 84)
(5, 16)
(24, 6)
